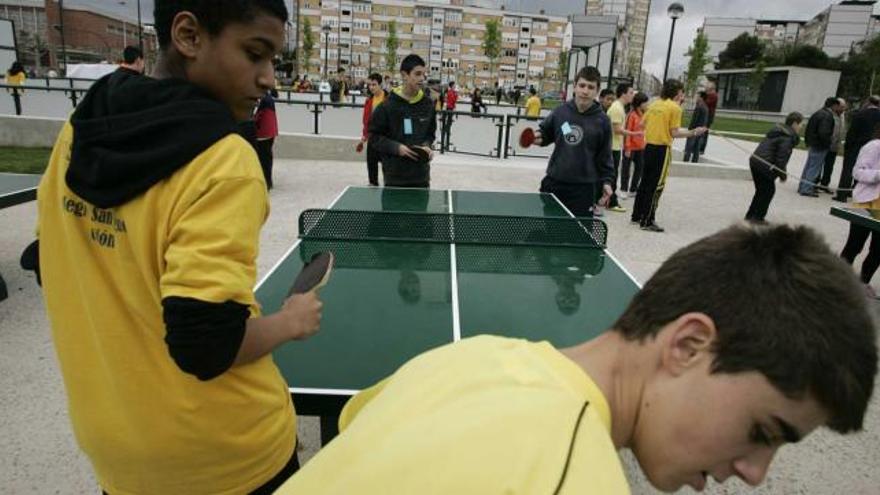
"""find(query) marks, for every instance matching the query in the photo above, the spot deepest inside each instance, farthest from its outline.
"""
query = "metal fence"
(493, 134)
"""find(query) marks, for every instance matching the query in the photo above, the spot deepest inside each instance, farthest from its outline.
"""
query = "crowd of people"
(166, 354)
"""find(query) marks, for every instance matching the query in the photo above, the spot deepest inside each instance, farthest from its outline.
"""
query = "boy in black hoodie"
(406, 121)
(769, 162)
(581, 159)
(149, 223)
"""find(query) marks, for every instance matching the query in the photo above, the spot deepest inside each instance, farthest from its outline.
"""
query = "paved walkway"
(39, 453)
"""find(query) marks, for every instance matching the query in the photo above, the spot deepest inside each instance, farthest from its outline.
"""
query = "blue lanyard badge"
(566, 129)
(407, 126)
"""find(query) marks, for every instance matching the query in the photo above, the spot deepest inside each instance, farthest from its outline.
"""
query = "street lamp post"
(140, 26)
(61, 30)
(675, 11)
(326, 28)
(140, 29)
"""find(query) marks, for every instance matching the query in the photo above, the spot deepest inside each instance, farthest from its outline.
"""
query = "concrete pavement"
(40, 455)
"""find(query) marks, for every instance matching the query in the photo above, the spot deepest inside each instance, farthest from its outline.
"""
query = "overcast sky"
(658, 24)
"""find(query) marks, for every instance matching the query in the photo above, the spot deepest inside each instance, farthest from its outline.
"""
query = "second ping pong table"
(389, 300)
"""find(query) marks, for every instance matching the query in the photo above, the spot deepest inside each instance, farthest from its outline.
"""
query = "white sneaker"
(598, 211)
(622, 195)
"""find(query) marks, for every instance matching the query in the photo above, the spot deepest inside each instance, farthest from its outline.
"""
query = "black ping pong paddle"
(527, 137)
(314, 274)
(359, 147)
(424, 156)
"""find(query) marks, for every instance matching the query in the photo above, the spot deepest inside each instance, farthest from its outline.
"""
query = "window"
(346, 13)
(453, 16)
(451, 32)
(346, 29)
(437, 37)
(510, 22)
(525, 29)
(524, 45)
(421, 29)
(438, 20)
(509, 52)
(424, 13)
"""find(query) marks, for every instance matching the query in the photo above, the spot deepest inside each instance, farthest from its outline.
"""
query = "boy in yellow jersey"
(698, 377)
(533, 104)
(662, 125)
(149, 222)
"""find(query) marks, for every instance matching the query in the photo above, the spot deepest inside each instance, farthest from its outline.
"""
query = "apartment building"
(835, 30)
(839, 27)
(632, 28)
(448, 35)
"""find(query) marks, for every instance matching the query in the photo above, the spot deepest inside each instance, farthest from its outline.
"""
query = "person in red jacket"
(451, 100)
(377, 96)
(266, 122)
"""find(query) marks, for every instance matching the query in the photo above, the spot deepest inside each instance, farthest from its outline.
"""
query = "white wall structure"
(799, 89)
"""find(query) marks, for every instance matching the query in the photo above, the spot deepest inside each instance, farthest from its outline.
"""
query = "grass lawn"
(24, 160)
(730, 124)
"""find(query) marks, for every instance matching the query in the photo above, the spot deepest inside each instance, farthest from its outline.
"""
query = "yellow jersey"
(661, 118)
(486, 415)
(147, 426)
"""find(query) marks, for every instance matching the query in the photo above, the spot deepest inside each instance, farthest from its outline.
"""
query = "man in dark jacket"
(700, 118)
(769, 162)
(862, 123)
(581, 159)
(404, 123)
(820, 129)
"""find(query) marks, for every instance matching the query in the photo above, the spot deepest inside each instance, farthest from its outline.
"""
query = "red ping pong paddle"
(527, 137)
(313, 275)
(360, 147)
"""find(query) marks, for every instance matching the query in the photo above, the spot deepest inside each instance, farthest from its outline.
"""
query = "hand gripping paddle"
(527, 138)
(313, 275)
(423, 154)
(360, 147)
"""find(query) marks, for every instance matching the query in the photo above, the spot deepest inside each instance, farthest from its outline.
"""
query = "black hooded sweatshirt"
(582, 154)
(129, 133)
(397, 121)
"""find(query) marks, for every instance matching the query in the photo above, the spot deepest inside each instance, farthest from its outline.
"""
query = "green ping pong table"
(16, 189)
(395, 295)
(869, 219)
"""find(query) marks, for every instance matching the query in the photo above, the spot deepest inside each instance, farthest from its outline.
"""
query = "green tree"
(699, 54)
(755, 82)
(308, 44)
(492, 44)
(391, 46)
(807, 56)
(562, 73)
(860, 70)
(744, 51)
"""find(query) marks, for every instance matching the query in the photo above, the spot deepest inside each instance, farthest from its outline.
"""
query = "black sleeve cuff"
(204, 338)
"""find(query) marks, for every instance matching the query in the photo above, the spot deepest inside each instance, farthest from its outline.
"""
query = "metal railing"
(485, 134)
(17, 91)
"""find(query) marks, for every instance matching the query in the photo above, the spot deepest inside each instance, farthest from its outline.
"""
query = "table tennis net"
(452, 228)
